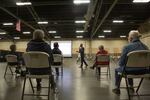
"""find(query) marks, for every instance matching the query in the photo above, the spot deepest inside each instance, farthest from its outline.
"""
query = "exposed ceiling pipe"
(36, 18)
(13, 15)
(98, 11)
(106, 15)
(90, 11)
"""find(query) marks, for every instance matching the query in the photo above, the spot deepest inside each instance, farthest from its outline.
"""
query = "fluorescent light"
(118, 21)
(42, 22)
(107, 31)
(26, 32)
(81, 1)
(16, 38)
(80, 21)
(1, 33)
(5, 24)
(57, 37)
(79, 31)
(101, 36)
(0, 38)
(23, 3)
(79, 36)
(123, 36)
(51, 31)
(141, 1)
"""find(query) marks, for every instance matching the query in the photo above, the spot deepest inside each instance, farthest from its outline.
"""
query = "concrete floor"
(74, 85)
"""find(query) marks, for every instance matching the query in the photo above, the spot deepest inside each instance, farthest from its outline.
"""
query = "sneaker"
(38, 87)
(116, 91)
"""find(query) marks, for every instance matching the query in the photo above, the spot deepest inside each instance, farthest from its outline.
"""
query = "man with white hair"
(38, 44)
(134, 44)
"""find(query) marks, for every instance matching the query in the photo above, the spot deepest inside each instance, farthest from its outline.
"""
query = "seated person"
(38, 44)
(13, 52)
(134, 44)
(101, 51)
(56, 50)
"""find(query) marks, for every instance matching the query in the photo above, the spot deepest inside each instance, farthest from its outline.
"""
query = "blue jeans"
(131, 71)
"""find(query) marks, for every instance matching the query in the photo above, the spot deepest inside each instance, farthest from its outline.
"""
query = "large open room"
(74, 49)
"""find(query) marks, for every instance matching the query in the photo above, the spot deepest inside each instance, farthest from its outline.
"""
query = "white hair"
(38, 34)
(134, 34)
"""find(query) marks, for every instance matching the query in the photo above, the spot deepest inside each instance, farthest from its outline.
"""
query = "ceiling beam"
(13, 15)
(106, 15)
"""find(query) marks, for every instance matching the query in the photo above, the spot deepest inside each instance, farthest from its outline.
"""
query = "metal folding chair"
(12, 62)
(36, 60)
(103, 60)
(137, 59)
(58, 58)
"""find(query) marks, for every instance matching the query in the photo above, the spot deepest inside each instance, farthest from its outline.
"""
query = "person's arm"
(123, 58)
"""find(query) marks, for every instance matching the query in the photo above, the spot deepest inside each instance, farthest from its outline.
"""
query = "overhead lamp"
(2, 33)
(141, 1)
(79, 31)
(123, 36)
(16, 38)
(81, 1)
(107, 31)
(43, 22)
(51, 31)
(101, 36)
(79, 36)
(80, 21)
(118, 21)
(23, 3)
(26, 32)
(57, 37)
(7, 24)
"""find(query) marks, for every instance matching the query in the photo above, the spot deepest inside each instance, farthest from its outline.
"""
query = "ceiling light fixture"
(107, 31)
(123, 36)
(26, 32)
(51, 31)
(2, 33)
(23, 3)
(79, 31)
(81, 1)
(79, 36)
(118, 21)
(141, 1)
(101, 36)
(80, 21)
(43, 22)
(16, 38)
(7, 24)
(57, 37)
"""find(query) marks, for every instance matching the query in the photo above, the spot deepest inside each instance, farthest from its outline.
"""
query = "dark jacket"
(56, 51)
(40, 45)
(81, 51)
(136, 44)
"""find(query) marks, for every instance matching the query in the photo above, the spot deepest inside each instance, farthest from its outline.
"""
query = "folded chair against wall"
(103, 60)
(137, 59)
(12, 62)
(58, 62)
(36, 60)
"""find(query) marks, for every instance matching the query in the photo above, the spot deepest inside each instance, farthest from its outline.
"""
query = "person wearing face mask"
(134, 45)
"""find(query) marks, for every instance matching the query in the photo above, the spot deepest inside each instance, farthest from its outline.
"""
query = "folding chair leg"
(23, 88)
(127, 88)
(109, 72)
(31, 85)
(5, 70)
(139, 85)
(11, 71)
(62, 71)
(49, 85)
